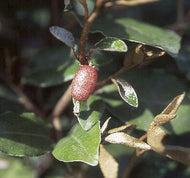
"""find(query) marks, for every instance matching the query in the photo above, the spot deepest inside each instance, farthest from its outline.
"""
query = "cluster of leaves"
(135, 44)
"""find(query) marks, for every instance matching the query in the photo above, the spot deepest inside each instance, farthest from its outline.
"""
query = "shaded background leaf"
(136, 31)
(183, 61)
(28, 138)
(51, 67)
(14, 167)
(147, 83)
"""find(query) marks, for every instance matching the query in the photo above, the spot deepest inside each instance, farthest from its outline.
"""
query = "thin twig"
(24, 99)
(62, 103)
(134, 157)
(108, 80)
(7, 77)
(58, 110)
(182, 20)
(45, 163)
(128, 3)
(85, 12)
(86, 28)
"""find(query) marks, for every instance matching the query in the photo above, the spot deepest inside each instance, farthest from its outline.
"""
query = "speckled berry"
(84, 82)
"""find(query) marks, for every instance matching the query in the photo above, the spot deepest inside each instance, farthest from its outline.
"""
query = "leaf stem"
(74, 54)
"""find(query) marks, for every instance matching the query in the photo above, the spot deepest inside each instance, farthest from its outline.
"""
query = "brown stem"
(128, 3)
(85, 12)
(86, 28)
(181, 20)
(45, 163)
(134, 157)
(62, 103)
(108, 80)
(58, 110)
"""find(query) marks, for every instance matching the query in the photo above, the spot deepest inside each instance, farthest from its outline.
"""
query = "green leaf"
(83, 2)
(181, 123)
(111, 44)
(139, 32)
(90, 112)
(183, 61)
(15, 167)
(9, 101)
(79, 10)
(10, 105)
(51, 67)
(7, 93)
(142, 121)
(81, 146)
(154, 165)
(63, 35)
(155, 90)
(126, 92)
(100, 58)
(23, 135)
(118, 150)
(103, 58)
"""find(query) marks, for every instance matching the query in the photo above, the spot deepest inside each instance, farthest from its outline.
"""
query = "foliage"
(142, 69)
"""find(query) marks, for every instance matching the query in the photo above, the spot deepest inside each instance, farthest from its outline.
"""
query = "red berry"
(84, 82)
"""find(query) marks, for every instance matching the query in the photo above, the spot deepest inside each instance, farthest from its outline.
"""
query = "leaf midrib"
(78, 141)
